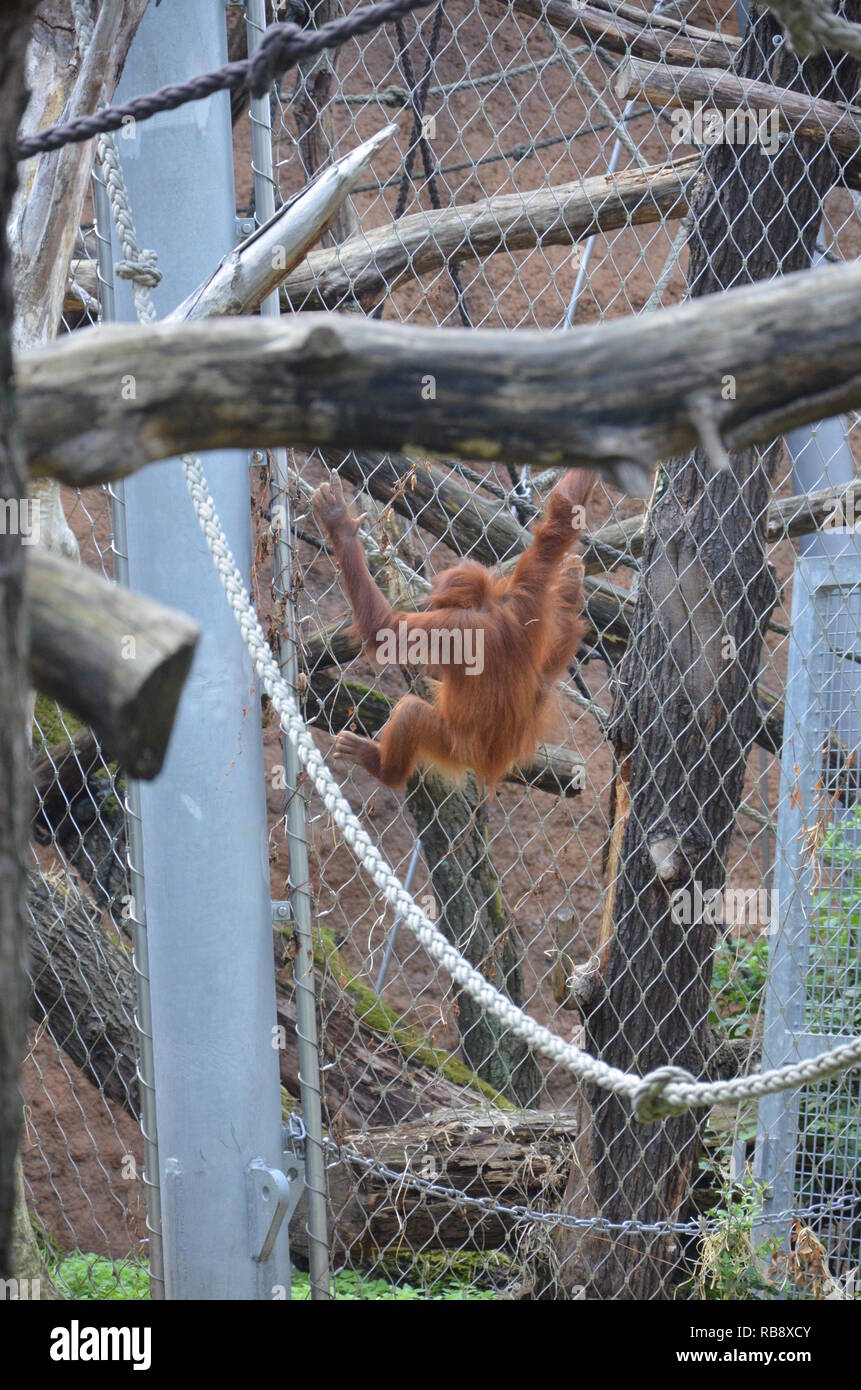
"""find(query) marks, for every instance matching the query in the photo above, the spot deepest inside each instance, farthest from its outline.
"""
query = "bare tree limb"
(598, 398)
(621, 28)
(371, 264)
(251, 271)
(810, 117)
(788, 517)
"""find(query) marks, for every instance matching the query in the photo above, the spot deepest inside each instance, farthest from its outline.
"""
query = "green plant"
(728, 1266)
(353, 1286)
(94, 1277)
(835, 985)
(738, 981)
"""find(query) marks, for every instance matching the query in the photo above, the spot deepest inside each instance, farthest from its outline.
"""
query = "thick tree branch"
(596, 398)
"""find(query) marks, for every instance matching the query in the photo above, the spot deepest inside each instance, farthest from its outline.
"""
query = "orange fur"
(531, 629)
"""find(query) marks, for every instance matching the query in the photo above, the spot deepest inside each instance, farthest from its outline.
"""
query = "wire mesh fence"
(631, 886)
(509, 118)
(81, 1151)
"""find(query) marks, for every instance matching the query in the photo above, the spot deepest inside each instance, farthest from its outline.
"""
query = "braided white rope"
(665, 1091)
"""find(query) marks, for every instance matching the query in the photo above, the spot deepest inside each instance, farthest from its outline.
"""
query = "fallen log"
(376, 1067)
(381, 1200)
(519, 1157)
(83, 990)
(371, 264)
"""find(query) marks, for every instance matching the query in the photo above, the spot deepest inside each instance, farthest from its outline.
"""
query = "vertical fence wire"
(300, 896)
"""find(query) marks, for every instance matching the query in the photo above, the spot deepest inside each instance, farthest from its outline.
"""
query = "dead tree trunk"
(685, 713)
(453, 830)
(16, 18)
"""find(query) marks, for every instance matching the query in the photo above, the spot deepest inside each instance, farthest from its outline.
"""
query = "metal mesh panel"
(808, 1144)
(511, 110)
(81, 1148)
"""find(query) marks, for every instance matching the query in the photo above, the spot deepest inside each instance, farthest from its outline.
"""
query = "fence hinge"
(272, 1197)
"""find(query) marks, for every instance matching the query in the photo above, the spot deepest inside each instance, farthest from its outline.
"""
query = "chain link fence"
(82, 1149)
(635, 887)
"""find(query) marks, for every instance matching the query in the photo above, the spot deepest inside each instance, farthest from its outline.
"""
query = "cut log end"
(116, 659)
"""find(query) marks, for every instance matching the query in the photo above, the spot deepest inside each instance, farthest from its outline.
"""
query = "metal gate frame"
(820, 586)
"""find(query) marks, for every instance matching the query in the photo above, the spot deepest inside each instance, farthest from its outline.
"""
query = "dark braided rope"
(281, 48)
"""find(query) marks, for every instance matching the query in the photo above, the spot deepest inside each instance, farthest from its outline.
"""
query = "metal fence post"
(300, 897)
(205, 857)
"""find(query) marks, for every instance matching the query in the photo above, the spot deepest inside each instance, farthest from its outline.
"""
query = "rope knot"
(649, 1099)
(275, 53)
(142, 268)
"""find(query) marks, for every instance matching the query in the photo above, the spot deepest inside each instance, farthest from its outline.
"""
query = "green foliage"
(442, 1277)
(353, 1286)
(94, 1277)
(834, 983)
(738, 981)
(729, 1267)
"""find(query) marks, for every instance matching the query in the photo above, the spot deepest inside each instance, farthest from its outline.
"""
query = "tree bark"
(452, 824)
(516, 1158)
(84, 990)
(612, 397)
(686, 714)
(16, 19)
